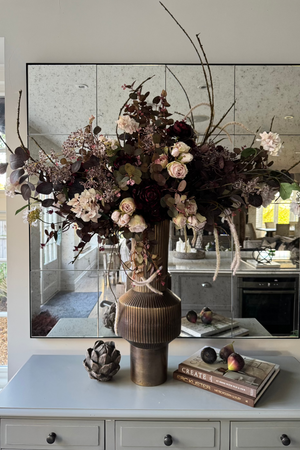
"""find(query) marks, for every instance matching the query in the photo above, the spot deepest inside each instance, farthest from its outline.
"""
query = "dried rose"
(124, 219)
(116, 216)
(190, 207)
(185, 158)
(179, 221)
(177, 170)
(127, 206)
(162, 161)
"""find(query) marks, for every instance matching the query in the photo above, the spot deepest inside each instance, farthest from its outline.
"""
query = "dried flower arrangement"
(157, 169)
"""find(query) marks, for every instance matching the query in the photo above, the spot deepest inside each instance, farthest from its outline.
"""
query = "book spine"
(219, 381)
(214, 389)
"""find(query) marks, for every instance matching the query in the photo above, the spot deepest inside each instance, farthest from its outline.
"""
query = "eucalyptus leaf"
(248, 152)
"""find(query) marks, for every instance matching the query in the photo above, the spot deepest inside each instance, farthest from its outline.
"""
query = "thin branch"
(222, 118)
(42, 150)
(186, 94)
(272, 123)
(210, 96)
(9, 149)
(18, 120)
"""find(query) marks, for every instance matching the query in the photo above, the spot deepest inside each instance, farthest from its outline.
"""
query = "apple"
(226, 351)
(235, 362)
(192, 316)
(206, 315)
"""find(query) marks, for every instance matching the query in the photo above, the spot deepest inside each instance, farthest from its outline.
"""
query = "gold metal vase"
(150, 321)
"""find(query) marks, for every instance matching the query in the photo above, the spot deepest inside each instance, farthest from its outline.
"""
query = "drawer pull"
(206, 284)
(168, 440)
(285, 439)
(51, 438)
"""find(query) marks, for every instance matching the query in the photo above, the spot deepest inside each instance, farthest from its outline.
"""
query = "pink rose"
(190, 207)
(162, 160)
(137, 224)
(127, 206)
(179, 221)
(177, 170)
(123, 220)
(115, 216)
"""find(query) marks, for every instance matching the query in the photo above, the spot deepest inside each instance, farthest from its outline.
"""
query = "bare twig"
(18, 120)
(9, 149)
(46, 154)
(186, 94)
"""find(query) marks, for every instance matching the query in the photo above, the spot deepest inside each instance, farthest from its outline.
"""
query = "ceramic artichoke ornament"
(102, 361)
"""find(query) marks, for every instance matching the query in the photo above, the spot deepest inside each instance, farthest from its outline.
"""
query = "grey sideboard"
(52, 403)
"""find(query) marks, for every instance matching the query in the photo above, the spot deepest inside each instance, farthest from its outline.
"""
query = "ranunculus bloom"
(137, 224)
(128, 124)
(270, 142)
(128, 206)
(182, 131)
(180, 221)
(147, 197)
(177, 170)
(185, 158)
(123, 220)
(162, 160)
(116, 215)
(190, 207)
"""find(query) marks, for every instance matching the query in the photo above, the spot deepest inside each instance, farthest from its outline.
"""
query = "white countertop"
(59, 386)
(208, 265)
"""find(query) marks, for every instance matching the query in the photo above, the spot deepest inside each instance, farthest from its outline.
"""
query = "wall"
(74, 31)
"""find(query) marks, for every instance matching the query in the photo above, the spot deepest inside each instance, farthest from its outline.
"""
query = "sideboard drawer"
(264, 435)
(143, 435)
(32, 434)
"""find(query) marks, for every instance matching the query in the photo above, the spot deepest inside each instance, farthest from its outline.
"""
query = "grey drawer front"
(144, 435)
(32, 434)
(264, 435)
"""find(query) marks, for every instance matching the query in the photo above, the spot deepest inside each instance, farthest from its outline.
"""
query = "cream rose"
(177, 170)
(197, 222)
(127, 206)
(179, 147)
(137, 224)
(185, 158)
(116, 216)
(179, 221)
(123, 220)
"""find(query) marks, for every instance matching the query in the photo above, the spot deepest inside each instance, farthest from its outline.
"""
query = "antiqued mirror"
(262, 299)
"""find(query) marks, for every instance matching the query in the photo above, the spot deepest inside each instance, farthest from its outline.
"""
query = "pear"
(226, 351)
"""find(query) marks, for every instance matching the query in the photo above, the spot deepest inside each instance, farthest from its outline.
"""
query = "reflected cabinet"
(72, 300)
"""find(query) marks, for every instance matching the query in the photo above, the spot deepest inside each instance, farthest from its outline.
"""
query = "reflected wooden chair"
(250, 231)
(270, 225)
(282, 229)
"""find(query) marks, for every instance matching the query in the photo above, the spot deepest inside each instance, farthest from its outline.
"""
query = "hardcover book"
(250, 381)
(199, 329)
(224, 392)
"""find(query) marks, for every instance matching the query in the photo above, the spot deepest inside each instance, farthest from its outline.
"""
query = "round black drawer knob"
(285, 439)
(51, 438)
(168, 440)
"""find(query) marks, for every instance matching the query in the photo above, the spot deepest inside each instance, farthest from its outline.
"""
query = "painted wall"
(77, 31)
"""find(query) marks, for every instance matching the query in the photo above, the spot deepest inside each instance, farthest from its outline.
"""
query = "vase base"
(149, 366)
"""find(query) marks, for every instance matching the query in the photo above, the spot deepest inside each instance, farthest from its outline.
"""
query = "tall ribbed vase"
(149, 321)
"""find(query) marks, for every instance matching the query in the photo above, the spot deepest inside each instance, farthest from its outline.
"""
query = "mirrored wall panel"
(262, 299)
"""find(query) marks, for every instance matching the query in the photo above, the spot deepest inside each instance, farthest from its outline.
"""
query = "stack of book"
(246, 386)
(220, 325)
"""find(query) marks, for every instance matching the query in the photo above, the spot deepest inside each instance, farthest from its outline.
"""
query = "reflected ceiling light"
(82, 86)
(288, 117)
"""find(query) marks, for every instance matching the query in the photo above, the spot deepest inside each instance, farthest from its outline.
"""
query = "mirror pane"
(262, 299)
(61, 98)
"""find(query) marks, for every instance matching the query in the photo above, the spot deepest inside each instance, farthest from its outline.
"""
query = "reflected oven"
(273, 301)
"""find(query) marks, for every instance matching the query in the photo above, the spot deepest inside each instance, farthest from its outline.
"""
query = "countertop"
(208, 265)
(59, 386)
